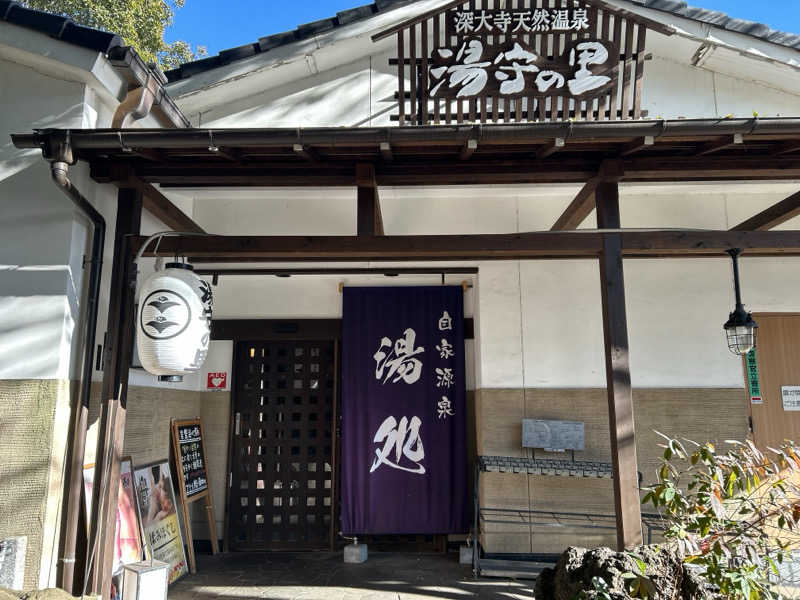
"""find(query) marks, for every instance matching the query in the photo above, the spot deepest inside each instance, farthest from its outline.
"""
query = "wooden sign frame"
(492, 62)
(187, 499)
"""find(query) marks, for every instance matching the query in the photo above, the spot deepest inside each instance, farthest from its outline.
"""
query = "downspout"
(58, 173)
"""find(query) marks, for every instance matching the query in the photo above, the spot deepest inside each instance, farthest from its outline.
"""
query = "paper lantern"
(173, 322)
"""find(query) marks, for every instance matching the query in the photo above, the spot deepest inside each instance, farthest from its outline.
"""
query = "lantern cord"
(162, 234)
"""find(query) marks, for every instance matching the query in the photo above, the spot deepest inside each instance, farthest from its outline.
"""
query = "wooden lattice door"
(282, 485)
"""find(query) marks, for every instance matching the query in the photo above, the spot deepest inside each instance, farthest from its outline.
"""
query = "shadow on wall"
(339, 96)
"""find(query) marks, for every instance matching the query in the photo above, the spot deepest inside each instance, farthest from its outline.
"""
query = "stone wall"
(147, 436)
(34, 417)
(695, 413)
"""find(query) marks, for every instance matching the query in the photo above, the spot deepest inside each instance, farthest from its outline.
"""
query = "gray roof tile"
(58, 27)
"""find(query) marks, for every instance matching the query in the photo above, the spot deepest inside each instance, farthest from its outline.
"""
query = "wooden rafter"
(772, 216)
(385, 149)
(369, 217)
(550, 148)
(723, 144)
(584, 202)
(161, 207)
(468, 149)
(515, 246)
(637, 145)
(787, 148)
(305, 153)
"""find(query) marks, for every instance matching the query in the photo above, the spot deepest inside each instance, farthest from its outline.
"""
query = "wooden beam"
(618, 376)
(233, 155)
(369, 217)
(291, 329)
(386, 151)
(723, 144)
(511, 246)
(436, 171)
(583, 203)
(637, 144)
(468, 149)
(581, 207)
(116, 361)
(162, 208)
(787, 148)
(156, 203)
(550, 148)
(772, 216)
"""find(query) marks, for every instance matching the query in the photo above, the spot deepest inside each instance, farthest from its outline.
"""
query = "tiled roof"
(265, 44)
(723, 21)
(269, 42)
(61, 28)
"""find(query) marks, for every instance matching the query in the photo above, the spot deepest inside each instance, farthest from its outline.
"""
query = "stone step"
(517, 569)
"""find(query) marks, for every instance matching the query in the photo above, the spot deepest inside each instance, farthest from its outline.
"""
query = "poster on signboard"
(127, 538)
(155, 498)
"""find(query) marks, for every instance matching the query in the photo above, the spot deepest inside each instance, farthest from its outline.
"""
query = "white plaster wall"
(40, 279)
(352, 85)
(545, 311)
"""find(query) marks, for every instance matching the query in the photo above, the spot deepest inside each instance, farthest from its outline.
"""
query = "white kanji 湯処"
(585, 54)
(445, 408)
(445, 377)
(398, 361)
(403, 441)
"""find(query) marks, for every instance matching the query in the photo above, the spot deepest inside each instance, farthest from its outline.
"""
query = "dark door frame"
(239, 330)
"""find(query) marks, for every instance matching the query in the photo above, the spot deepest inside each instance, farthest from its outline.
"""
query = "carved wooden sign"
(586, 69)
(520, 60)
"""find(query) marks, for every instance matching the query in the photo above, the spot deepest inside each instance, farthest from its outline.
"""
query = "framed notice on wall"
(190, 461)
(156, 501)
(790, 394)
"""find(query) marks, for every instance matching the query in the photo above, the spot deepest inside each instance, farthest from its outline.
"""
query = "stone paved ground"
(324, 576)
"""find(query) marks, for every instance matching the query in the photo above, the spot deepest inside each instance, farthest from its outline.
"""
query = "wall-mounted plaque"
(790, 394)
(552, 435)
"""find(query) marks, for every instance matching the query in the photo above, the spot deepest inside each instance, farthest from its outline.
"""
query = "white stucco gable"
(341, 77)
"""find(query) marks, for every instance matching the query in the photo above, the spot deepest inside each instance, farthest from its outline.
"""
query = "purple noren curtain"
(404, 456)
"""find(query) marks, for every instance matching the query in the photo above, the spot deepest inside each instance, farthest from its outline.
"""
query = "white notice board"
(791, 397)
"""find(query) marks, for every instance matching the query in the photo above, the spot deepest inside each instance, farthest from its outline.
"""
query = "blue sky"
(220, 24)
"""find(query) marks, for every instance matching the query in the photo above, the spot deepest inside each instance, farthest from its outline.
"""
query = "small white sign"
(791, 397)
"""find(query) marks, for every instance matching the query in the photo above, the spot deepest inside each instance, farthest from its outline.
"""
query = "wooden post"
(618, 373)
(116, 362)
(370, 220)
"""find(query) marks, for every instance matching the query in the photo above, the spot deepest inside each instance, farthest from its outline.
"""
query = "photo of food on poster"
(127, 540)
(157, 510)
